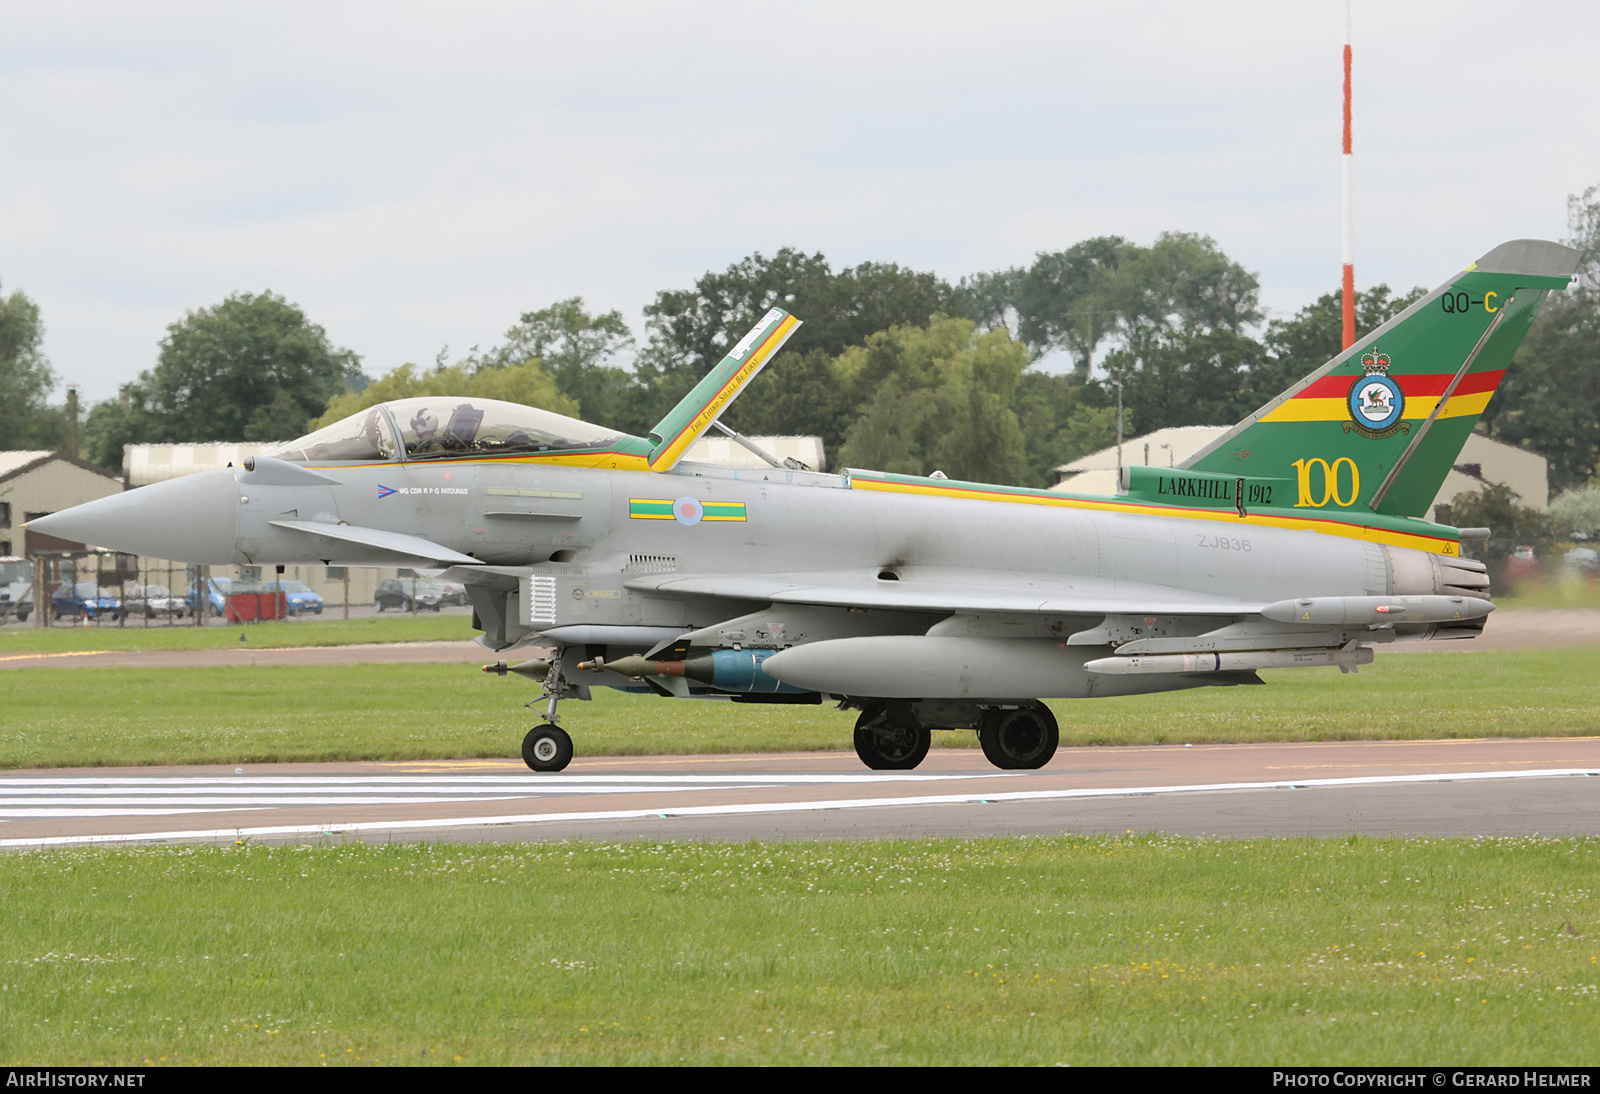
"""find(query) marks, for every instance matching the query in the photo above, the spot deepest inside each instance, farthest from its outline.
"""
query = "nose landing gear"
(547, 748)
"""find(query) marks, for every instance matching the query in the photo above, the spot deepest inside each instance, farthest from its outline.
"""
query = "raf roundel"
(687, 511)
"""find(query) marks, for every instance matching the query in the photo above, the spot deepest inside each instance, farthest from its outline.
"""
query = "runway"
(1412, 788)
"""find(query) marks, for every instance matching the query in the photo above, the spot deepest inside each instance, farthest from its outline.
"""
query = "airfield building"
(39, 482)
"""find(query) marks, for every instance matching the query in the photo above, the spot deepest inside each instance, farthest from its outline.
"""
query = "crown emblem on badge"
(1374, 362)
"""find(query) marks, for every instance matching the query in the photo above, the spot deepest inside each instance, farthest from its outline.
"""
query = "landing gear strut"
(548, 747)
(889, 743)
(1019, 739)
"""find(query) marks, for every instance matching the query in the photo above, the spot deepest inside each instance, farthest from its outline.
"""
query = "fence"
(100, 589)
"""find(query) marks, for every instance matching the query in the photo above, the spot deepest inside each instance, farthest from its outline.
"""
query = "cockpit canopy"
(435, 426)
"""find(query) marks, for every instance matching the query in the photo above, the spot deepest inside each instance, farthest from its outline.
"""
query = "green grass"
(431, 627)
(1140, 950)
(75, 716)
(1562, 591)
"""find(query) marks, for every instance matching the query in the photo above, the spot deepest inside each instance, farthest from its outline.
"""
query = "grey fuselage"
(916, 594)
(794, 522)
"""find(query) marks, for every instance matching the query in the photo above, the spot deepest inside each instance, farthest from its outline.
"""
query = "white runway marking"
(689, 782)
(530, 783)
(135, 796)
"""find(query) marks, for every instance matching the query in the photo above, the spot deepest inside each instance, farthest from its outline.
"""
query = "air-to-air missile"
(1298, 538)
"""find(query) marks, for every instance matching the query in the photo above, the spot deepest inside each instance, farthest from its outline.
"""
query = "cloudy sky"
(417, 175)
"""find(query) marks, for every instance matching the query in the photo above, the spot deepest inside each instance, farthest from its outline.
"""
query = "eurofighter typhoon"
(1296, 539)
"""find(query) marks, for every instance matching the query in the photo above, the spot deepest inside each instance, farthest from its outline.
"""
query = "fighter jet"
(923, 604)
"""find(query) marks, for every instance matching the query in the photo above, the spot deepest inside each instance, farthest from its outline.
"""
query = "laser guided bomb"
(733, 671)
(1296, 539)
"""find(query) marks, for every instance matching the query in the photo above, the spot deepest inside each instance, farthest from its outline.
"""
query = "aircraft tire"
(884, 747)
(547, 748)
(1023, 739)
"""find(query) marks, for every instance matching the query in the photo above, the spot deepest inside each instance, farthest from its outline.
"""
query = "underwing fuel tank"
(926, 667)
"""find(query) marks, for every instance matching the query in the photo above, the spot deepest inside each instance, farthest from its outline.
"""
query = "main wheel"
(1019, 740)
(547, 748)
(884, 746)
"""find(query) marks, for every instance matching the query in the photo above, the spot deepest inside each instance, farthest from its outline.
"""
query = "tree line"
(895, 369)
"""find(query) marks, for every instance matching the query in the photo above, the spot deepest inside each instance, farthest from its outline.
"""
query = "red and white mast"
(1348, 245)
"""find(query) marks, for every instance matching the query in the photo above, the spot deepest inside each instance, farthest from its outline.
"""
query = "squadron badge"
(1375, 401)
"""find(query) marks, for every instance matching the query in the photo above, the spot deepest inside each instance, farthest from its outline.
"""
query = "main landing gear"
(1019, 739)
(890, 736)
(886, 742)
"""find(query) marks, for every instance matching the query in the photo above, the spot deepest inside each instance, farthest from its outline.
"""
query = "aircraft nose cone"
(192, 519)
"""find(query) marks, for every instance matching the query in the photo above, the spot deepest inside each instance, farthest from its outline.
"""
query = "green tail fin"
(1377, 428)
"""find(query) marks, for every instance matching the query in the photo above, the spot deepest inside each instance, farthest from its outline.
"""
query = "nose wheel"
(547, 748)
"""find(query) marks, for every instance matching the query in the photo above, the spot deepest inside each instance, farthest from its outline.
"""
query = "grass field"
(1559, 591)
(1137, 950)
(1140, 950)
(75, 716)
(430, 627)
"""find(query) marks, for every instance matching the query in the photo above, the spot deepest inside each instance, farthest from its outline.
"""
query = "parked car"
(85, 599)
(151, 601)
(397, 592)
(451, 593)
(16, 588)
(1523, 562)
(299, 598)
(217, 595)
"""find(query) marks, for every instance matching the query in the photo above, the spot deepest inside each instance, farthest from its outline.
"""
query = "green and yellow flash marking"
(685, 510)
(1418, 541)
